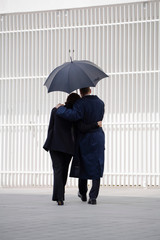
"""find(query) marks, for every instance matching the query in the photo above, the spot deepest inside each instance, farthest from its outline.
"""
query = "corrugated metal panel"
(125, 41)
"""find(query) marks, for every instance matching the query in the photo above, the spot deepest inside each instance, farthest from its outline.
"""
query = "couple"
(75, 130)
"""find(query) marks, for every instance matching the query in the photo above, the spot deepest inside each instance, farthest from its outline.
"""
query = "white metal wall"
(125, 41)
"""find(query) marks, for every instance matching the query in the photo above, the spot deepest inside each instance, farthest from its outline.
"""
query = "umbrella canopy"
(73, 75)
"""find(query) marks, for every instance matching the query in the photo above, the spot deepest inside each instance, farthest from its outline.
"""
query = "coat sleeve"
(74, 114)
(51, 121)
(84, 128)
(47, 143)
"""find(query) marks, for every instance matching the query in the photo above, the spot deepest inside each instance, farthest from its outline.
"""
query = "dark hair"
(84, 91)
(71, 99)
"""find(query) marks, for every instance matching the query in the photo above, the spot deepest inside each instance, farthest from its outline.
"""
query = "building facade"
(124, 40)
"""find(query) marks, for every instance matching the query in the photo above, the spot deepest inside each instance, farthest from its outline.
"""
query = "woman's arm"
(47, 143)
(83, 127)
(51, 121)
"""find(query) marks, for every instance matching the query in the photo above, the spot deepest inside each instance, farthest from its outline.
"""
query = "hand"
(59, 105)
(99, 123)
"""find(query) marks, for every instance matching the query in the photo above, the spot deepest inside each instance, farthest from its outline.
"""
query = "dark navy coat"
(90, 109)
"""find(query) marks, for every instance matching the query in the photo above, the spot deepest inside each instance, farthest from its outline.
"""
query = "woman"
(60, 143)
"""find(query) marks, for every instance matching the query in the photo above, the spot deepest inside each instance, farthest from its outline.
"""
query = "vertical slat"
(23, 97)
(120, 41)
(9, 47)
(8, 19)
(158, 107)
(129, 165)
(154, 100)
(95, 37)
(118, 87)
(117, 158)
(2, 48)
(20, 106)
(150, 101)
(1, 110)
(39, 165)
(99, 35)
(107, 39)
(1, 150)
(83, 36)
(6, 46)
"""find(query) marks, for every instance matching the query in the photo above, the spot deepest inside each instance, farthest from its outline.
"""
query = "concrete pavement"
(121, 214)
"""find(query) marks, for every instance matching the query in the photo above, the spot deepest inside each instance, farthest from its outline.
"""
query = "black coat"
(60, 135)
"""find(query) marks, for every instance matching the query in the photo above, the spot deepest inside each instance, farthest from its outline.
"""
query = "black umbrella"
(73, 75)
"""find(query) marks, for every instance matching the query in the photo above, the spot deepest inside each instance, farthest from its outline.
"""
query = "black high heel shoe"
(60, 202)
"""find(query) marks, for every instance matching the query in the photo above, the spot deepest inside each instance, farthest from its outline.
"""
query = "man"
(88, 109)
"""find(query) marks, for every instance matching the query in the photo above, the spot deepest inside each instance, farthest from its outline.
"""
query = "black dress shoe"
(83, 197)
(92, 201)
(60, 202)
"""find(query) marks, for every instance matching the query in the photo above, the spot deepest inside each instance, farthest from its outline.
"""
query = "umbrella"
(73, 75)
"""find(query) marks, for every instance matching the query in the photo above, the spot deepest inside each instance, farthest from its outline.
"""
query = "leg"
(67, 159)
(58, 161)
(82, 185)
(95, 189)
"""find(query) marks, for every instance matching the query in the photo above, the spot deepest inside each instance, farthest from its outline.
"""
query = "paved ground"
(121, 213)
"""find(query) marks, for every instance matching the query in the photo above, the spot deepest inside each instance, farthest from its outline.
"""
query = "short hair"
(84, 91)
(71, 99)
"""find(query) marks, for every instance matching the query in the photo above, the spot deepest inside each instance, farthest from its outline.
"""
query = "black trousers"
(60, 164)
(93, 194)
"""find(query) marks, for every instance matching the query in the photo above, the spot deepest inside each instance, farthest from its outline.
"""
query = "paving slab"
(121, 214)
